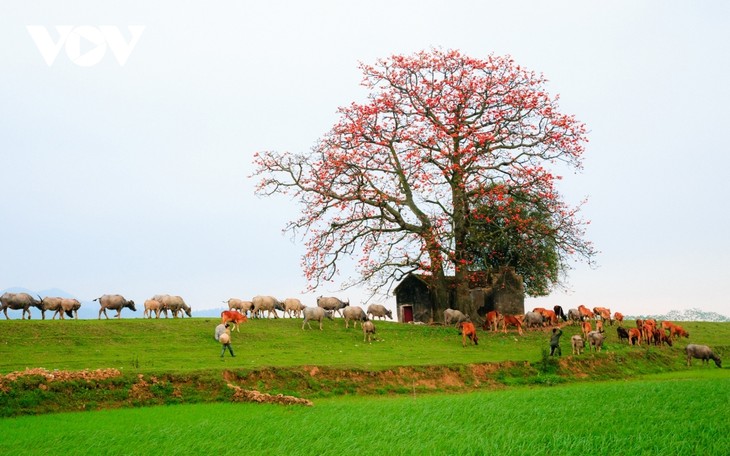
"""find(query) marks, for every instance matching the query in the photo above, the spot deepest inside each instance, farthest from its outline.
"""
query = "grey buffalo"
(17, 301)
(380, 311)
(454, 316)
(51, 304)
(332, 303)
(266, 303)
(70, 306)
(354, 313)
(174, 304)
(533, 319)
(114, 302)
(702, 352)
(315, 314)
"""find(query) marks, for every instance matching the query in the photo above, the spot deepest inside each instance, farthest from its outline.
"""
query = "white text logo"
(93, 40)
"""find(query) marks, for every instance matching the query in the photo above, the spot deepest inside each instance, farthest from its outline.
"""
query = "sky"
(134, 178)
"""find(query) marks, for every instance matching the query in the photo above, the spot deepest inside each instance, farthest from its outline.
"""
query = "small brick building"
(501, 290)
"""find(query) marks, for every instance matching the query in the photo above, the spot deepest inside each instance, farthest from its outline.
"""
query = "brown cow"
(619, 317)
(585, 313)
(585, 328)
(679, 332)
(603, 313)
(468, 330)
(660, 337)
(634, 336)
(233, 316)
(491, 320)
(512, 320)
(599, 326)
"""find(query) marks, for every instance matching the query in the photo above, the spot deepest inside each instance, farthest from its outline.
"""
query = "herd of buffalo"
(646, 331)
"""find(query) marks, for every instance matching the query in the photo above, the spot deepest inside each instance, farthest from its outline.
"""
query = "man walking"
(555, 342)
(225, 340)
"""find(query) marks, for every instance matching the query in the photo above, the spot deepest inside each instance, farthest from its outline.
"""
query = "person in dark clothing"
(555, 342)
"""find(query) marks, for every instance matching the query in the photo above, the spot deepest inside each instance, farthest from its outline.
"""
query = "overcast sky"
(133, 178)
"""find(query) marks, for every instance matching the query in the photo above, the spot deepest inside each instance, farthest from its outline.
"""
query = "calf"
(578, 344)
(678, 331)
(702, 352)
(468, 330)
(368, 329)
(233, 316)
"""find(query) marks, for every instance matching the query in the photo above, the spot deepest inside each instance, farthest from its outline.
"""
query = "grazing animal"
(585, 328)
(368, 329)
(603, 313)
(454, 316)
(622, 334)
(678, 331)
(596, 340)
(266, 303)
(647, 332)
(491, 320)
(239, 305)
(71, 307)
(511, 320)
(174, 304)
(380, 311)
(331, 303)
(619, 317)
(660, 337)
(634, 336)
(578, 344)
(585, 313)
(574, 316)
(293, 307)
(52, 304)
(599, 326)
(233, 316)
(152, 305)
(354, 313)
(468, 331)
(114, 302)
(533, 319)
(548, 317)
(559, 312)
(316, 314)
(702, 352)
(17, 301)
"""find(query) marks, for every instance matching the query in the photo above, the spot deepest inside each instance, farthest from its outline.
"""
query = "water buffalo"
(533, 319)
(596, 340)
(702, 352)
(266, 303)
(71, 307)
(315, 314)
(51, 304)
(574, 316)
(622, 334)
(454, 316)
(239, 305)
(332, 303)
(578, 344)
(174, 304)
(380, 311)
(368, 329)
(293, 307)
(150, 306)
(114, 302)
(18, 301)
(354, 313)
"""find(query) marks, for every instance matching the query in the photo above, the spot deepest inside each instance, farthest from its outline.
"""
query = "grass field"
(658, 416)
(381, 398)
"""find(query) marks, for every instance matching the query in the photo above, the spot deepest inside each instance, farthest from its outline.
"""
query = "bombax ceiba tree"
(401, 181)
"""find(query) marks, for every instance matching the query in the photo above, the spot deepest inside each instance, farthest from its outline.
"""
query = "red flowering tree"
(396, 182)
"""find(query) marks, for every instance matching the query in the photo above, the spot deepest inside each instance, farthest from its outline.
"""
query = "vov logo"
(94, 42)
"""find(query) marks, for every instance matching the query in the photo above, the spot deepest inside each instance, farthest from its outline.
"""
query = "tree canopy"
(402, 181)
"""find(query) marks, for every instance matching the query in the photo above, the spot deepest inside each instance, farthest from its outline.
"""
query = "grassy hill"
(177, 360)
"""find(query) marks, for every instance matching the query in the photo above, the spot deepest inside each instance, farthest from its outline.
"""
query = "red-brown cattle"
(233, 316)
(603, 313)
(491, 320)
(678, 331)
(634, 336)
(585, 328)
(585, 313)
(512, 320)
(468, 331)
(619, 317)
